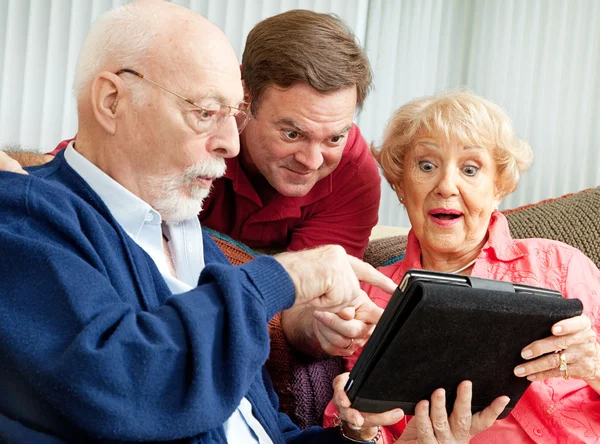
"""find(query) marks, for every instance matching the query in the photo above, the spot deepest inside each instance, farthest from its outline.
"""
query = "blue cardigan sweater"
(95, 348)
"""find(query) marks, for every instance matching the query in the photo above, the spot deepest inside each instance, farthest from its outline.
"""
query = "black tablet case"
(444, 329)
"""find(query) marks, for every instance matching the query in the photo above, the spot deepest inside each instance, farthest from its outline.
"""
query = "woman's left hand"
(572, 338)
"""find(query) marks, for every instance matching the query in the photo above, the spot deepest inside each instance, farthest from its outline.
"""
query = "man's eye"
(291, 135)
(426, 166)
(470, 170)
(337, 139)
(205, 114)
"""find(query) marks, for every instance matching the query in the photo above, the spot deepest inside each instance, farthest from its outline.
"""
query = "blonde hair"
(455, 115)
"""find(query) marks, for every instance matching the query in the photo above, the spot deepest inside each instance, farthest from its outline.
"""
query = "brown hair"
(304, 47)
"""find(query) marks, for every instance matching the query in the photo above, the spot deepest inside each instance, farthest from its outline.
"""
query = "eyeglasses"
(207, 119)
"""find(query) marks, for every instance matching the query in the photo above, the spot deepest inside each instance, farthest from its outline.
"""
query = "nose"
(226, 141)
(447, 184)
(311, 156)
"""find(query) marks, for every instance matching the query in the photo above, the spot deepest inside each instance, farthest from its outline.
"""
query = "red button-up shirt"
(340, 209)
(551, 411)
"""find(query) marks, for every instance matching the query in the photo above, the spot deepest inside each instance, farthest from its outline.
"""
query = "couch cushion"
(385, 251)
(573, 219)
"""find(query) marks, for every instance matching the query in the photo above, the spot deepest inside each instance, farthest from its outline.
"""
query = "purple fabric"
(312, 387)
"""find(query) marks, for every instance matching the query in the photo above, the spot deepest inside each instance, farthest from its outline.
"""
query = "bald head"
(153, 37)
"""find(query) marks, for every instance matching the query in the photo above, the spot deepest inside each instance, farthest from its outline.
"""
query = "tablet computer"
(440, 329)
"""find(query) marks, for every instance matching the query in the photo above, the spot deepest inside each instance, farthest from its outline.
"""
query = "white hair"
(118, 38)
(180, 198)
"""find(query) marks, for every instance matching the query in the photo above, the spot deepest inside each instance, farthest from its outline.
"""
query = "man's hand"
(7, 163)
(344, 332)
(328, 278)
(431, 425)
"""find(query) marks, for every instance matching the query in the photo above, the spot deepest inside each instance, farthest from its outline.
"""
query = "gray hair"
(117, 39)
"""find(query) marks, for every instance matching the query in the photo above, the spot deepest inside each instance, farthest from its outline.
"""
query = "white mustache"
(213, 167)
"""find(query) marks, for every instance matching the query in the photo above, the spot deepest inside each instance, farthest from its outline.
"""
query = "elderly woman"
(451, 158)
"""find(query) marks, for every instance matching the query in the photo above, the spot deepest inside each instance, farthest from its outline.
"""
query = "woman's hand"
(357, 425)
(577, 343)
(432, 425)
(344, 332)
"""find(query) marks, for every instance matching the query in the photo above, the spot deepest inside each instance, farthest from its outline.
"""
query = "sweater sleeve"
(294, 435)
(93, 356)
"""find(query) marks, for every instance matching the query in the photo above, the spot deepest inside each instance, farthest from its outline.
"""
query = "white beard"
(180, 198)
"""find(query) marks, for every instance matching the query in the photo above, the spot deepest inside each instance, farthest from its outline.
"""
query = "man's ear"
(105, 94)
(247, 97)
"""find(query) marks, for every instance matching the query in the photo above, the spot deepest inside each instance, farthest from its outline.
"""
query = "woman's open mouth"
(445, 217)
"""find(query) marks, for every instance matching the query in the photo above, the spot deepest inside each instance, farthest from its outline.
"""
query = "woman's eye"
(426, 166)
(470, 170)
(291, 135)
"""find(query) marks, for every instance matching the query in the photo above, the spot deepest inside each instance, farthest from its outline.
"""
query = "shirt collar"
(243, 186)
(129, 210)
(499, 244)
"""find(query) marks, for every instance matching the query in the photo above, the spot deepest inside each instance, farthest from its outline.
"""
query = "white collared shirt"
(144, 225)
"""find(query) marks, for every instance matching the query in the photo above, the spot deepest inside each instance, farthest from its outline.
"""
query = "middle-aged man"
(304, 176)
(119, 320)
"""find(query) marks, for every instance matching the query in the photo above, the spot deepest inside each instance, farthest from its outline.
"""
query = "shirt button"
(149, 217)
(537, 431)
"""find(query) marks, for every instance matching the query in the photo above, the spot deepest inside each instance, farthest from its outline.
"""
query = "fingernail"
(398, 415)
(557, 329)
(531, 377)
(527, 353)
(519, 371)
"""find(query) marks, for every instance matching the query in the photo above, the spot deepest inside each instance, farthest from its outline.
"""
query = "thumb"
(369, 312)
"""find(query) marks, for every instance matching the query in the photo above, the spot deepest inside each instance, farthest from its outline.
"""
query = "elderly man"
(121, 321)
(304, 176)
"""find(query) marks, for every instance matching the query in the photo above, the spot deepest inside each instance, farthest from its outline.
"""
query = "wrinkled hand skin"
(7, 163)
(577, 341)
(344, 332)
(328, 278)
(430, 425)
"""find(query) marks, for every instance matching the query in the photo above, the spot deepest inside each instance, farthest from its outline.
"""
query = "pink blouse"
(550, 411)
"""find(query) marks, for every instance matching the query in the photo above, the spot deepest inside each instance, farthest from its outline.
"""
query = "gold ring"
(349, 345)
(563, 366)
(354, 427)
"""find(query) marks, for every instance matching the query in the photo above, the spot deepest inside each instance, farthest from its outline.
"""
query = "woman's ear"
(497, 198)
(399, 192)
(105, 94)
